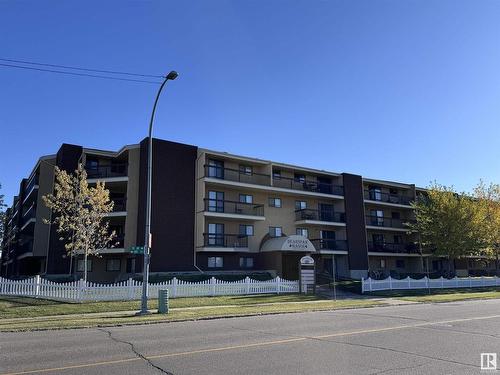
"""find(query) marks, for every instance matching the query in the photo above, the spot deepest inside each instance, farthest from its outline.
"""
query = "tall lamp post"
(145, 269)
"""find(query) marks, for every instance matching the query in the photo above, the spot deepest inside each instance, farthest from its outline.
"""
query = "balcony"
(29, 218)
(386, 222)
(246, 177)
(120, 204)
(237, 175)
(225, 240)
(324, 244)
(107, 171)
(309, 216)
(308, 185)
(392, 248)
(378, 196)
(233, 209)
(31, 186)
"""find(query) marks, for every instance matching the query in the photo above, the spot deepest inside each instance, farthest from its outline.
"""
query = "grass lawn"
(440, 295)
(73, 315)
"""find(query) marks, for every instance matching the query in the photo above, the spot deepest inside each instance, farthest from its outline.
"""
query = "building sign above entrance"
(290, 243)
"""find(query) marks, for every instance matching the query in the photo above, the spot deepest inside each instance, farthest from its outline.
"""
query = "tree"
(488, 200)
(79, 212)
(446, 222)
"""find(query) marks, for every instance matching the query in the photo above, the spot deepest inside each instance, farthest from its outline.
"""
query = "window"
(246, 262)
(375, 193)
(113, 265)
(393, 191)
(299, 177)
(130, 265)
(300, 205)
(245, 198)
(246, 230)
(400, 263)
(215, 201)
(246, 169)
(275, 231)
(382, 263)
(80, 267)
(398, 239)
(302, 232)
(377, 217)
(378, 239)
(215, 262)
(215, 168)
(276, 174)
(275, 202)
(215, 234)
(396, 215)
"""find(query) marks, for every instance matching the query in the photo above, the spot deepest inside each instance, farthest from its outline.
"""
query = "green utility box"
(163, 301)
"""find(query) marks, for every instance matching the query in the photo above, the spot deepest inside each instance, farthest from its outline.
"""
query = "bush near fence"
(390, 283)
(79, 291)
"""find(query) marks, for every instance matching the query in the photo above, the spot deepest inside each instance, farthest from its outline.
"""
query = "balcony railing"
(237, 175)
(225, 240)
(324, 244)
(233, 207)
(386, 222)
(120, 204)
(105, 171)
(320, 215)
(265, 179)
(387, 198)
(392, 247)
(308, 185)
(31, 184)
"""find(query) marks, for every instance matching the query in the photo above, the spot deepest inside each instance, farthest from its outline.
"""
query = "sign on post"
(137, 250)
(307, 274)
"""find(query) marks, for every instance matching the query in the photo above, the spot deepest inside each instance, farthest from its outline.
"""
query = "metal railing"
(225, 240)
(237, 175)
(387, 247)
(386, 222)
(325, 244)
(233, 207)
(308, 185)
(30, 185)
(320, 215)
(104, 171)
(387, 197)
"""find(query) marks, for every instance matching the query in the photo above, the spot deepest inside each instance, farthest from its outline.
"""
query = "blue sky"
(398, 90)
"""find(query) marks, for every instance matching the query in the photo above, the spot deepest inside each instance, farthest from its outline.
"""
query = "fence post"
(426, 282)
(470, 282)
(130, 289)
(212, 284)
(409, 284)
(278, 284)
(442, 282)
(174, 287)
(247, 282)
(370, 283)
(37, 285)
(80, 289)
(390, 282)
(362, 285)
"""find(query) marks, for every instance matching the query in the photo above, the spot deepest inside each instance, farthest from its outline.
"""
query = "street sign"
(137, 250)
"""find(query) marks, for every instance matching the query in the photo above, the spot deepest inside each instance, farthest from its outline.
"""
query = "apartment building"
(213, 211)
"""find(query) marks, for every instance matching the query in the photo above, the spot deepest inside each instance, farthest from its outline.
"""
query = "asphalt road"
(410, 339)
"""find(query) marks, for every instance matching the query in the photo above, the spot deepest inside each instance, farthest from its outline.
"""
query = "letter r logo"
(488, 361)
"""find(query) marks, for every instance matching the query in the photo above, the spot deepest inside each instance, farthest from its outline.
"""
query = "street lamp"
(145, 269)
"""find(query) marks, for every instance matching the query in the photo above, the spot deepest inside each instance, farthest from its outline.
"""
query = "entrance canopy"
(290, 243)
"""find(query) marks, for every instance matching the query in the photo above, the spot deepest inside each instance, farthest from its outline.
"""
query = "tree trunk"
(85, 267)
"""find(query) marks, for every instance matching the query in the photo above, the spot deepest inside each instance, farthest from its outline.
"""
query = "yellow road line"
(245, 346)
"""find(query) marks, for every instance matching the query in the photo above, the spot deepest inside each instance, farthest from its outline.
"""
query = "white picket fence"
(370, 285)
(79, 291)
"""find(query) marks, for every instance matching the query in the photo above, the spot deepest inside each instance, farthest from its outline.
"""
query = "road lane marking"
(245, 346)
